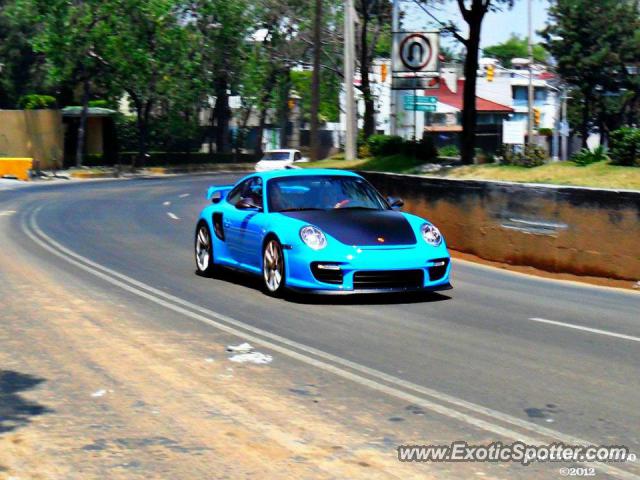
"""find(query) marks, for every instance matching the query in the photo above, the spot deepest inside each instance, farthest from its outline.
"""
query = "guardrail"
(583, 231)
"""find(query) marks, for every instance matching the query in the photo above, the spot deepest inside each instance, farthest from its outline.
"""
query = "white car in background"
(279, 159)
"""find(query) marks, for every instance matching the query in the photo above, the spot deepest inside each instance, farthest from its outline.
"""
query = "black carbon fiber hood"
(360, 227)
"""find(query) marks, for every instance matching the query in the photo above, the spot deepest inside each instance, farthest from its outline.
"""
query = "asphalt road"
(512, 355)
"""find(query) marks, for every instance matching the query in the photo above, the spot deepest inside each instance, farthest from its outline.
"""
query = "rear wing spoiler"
(218, 192)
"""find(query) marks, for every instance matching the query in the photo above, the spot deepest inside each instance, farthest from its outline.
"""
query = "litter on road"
(253, 357)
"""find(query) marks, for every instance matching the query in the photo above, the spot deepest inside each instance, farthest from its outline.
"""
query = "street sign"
(420, 99)
(513, 132)
(415, 52)
(420, 103)
(415, 83)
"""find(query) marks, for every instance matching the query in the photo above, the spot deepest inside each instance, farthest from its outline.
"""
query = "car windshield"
(276, 156)
(298, 193)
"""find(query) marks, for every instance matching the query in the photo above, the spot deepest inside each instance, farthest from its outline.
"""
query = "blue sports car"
(321, 231)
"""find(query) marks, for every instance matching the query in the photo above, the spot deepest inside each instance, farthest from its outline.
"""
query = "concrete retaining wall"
(560, 229)
(35, 134)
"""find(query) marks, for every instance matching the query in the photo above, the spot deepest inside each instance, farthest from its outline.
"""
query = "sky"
(497, 26)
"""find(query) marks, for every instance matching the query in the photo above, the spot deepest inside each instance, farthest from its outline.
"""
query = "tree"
(21, 68)
(373, 40)
(282, 40)
(593, 52)
(515, 47)
(473, 12)
(315, 80)
(154, 58)
(223, 27)
(67, 35)
(329, 101)
(374, 18)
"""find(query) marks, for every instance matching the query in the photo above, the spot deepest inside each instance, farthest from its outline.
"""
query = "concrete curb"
(161, 171)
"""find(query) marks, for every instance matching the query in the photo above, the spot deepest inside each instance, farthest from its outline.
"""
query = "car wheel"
(273, 267)
(204, 251)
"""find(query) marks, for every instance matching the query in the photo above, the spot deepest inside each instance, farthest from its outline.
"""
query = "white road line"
(586, 329)
(184, 195)
(345, 369)
(6, 213)
(173, 216)
(166, 204)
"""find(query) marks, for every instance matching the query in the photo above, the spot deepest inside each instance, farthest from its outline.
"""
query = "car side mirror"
(395, 203)
(247, 204)
(216, 197)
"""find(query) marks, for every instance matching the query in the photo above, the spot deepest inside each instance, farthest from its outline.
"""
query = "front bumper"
(300, 277)
(372, 291)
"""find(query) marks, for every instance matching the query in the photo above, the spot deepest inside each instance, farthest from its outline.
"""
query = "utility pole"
(393, 97)
(315, 82)
(531, 100)
(556, 130)
(350, 105)
(565, 126)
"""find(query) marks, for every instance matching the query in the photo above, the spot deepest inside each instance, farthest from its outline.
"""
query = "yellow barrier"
(18, 167)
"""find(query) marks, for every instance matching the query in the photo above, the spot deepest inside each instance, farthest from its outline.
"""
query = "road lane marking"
(586, 329)
(173, 216)
(344, 368)
(184, 195)
(166, 204)
(6, 213)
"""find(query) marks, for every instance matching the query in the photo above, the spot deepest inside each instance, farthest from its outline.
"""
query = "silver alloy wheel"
(203, 249)
(273, 266)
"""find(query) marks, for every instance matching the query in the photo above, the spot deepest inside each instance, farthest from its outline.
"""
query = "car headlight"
(313, 237)
(431, 234)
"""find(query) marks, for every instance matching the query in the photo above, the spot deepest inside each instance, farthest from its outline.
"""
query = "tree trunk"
(261, 122)
(143, 112)
(369, 123)
(586, 113)
(82, 126)
(315, 82)
(222, 114)
(284, 106)
(469, 113)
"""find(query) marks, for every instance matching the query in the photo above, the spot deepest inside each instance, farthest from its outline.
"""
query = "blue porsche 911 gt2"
(322, 231)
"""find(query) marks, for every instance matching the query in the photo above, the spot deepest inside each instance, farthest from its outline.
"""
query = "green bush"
(449, 151)
(531, 156)
(100, 104)
(482, 157)
(387, 145)
(383, 145)
(34, 101)
(586, 157)
(424, 149)
(624, 146)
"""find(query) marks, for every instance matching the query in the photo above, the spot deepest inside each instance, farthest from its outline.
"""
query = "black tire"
(203, 250)
(273, 274)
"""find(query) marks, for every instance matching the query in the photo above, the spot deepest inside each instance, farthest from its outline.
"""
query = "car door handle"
(226, 223)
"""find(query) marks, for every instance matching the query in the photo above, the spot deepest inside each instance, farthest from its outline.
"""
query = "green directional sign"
(426, 108)
(420, 103)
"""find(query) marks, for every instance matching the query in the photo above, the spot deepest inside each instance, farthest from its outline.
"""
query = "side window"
(297, 156)
(254, 191)
(250, 188)
(236, 194)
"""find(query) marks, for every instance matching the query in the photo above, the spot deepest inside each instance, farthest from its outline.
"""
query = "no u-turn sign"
(415, 52)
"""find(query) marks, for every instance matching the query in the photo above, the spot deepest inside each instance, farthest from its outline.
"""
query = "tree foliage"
(593, 55)
(515, 47)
